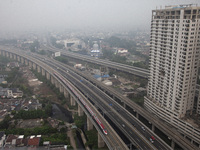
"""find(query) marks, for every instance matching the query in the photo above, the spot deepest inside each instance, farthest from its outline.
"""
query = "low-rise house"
(122, 52)
(21, 141)
(13, 64)
(2, 138)
(34, 141)
(46, 143)
(107, 82)
(16, 93)
(10, 93)
(3, 113)
(141, 89)
(2, 79)
(10, 140)
(34, 104)
(3, 92)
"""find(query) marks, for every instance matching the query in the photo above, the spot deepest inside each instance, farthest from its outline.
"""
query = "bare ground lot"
(38, 87)
(31, 123)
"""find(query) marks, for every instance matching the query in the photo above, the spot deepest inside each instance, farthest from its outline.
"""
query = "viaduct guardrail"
(174, 135)
(112, 140)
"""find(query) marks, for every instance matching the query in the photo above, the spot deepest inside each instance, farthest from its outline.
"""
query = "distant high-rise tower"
(174, 56)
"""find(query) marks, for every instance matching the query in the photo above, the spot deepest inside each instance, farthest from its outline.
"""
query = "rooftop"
(177, 6)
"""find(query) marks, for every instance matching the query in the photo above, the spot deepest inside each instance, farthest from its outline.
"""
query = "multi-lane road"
(118, 66)
(125, 124)
(130, 126)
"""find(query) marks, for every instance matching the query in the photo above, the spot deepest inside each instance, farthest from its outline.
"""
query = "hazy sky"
(80, 14)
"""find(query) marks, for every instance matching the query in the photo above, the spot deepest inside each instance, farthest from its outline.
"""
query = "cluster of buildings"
(11, 141)
(2, 79)
(174, 62)
(8, 105)
(72, 44)
(12, 64)
(8, 66)
(33, 142)
(10, 93)
(79, 66)
(121, 52)
(143, 44)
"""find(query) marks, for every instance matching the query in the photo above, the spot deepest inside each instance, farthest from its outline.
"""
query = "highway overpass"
(176, 137)
(112, 140)
(102, 62)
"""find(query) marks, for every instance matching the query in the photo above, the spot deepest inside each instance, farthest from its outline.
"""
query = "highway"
(112, 137)
(125, 124)
(128, 124)
(118, 66)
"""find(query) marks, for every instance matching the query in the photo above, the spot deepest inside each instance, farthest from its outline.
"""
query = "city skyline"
(172, 94)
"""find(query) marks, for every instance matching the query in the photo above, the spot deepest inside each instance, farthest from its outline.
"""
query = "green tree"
(92, 139)
(42, 52)
(34, 46)
(62, 59)
(5, 123)
(79, 121)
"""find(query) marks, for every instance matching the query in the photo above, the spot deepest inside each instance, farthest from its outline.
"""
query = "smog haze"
(19, 15)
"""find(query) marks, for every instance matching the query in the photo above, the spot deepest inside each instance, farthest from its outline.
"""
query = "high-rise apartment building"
(174, 57)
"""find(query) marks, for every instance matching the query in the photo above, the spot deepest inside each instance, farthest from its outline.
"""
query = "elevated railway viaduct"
(112, 140)
(153, 121)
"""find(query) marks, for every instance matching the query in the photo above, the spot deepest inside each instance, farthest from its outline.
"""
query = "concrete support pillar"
(43, 72)
(3, 53)
(52, 80)
(89, 124)
(38, 69)
(22, 60)
(0, 52)
(61, 88)
(137, 115)
(15, 57)
(72, 101)
(153, 128)
(66, 94)
(124, 105)
(26, 61)
(80, 111)
(107, 69)
(56, 83)
(172, 144)
(11, 56)
(47, 76)
(101, 143)
(18, 58)
(191, 141)
(7, 54)
(34, 66)
(30, 64)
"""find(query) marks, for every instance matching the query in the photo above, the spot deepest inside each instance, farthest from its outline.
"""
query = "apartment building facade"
(174, 57)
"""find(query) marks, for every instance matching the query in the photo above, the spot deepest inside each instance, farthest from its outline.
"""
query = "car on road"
(152, 139)
(123, 125)
(143, 128)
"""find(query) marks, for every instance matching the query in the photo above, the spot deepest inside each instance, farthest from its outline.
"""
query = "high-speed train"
(84, 103)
